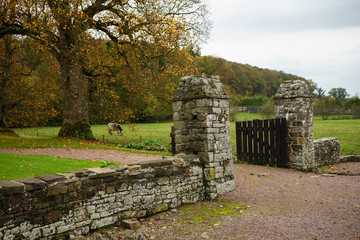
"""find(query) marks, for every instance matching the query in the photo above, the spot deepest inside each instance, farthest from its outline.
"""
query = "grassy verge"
(347, 130)
(13, 166)
(57, 142)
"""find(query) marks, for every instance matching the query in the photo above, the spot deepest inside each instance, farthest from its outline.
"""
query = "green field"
(14, 166)
(348, 132)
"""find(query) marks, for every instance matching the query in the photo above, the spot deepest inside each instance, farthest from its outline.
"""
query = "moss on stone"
(80, 130)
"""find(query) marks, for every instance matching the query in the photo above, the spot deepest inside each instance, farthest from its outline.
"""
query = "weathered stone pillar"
(293, 101)
(202, 127)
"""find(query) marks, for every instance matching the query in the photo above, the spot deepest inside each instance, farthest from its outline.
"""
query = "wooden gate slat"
(245, 141)
(266, 142)
(250, 142)
(272, 142)
(283, 153)
(238, 132)
(255, 141)
(277, 139)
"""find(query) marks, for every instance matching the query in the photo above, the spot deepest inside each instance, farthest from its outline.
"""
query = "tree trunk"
(75, 103)
(4, 79)
(3, 110)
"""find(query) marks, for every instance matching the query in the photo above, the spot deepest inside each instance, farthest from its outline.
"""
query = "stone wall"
(293, 101)
(202, 127)
(350, 158)
(80, 201)
(327, 151)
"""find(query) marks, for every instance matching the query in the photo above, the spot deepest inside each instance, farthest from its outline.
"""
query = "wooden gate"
(262, 142)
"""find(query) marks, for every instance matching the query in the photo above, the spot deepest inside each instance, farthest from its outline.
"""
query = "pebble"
(327, 175)
(205, 235)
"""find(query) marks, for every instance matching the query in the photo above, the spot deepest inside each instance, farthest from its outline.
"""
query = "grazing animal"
(115, 127)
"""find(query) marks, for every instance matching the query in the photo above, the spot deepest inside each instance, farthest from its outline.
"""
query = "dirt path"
(86, 154)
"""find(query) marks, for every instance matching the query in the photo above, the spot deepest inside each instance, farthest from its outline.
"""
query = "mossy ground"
(210, 212)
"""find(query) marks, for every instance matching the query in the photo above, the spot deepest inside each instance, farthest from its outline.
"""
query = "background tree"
(62, 25)
(339, 93)
(28, 91)
(243, 80)
(316, 90)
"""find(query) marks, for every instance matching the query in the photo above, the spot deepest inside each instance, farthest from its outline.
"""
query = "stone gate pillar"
(293, 101)
(202, 127)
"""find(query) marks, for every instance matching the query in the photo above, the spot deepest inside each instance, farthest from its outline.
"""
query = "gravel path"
(283, 204)
(87, 154)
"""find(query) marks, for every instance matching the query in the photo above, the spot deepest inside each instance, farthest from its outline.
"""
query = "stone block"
(80, 173)
(51, 178)
(31, 183)
(132, 223)
(209, 173)
(179, 125)
(225, 187)
(11, 187)
(58, 189)
(176, 106)
(204, 102)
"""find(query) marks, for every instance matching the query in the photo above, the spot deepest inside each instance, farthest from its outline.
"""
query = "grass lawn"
(26, 141)
(347, 130)
(13, 166)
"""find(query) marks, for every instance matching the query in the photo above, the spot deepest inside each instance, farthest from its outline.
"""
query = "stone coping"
(16, 186)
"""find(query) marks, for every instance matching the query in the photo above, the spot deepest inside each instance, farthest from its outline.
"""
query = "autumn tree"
(62, 26)
(14, 67)
(28, 87)
(9, 71)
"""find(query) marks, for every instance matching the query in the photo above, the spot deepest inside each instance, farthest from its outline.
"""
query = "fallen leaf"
(255, 182)
(149, 223)
(206, 222)
(214, 210)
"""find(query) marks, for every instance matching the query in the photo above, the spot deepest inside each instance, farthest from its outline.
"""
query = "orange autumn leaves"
(151, 45)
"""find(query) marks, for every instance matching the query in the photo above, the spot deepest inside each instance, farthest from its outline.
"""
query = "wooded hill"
(242, 80)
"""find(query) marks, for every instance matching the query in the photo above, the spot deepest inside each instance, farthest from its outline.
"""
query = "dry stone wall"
(75, 203)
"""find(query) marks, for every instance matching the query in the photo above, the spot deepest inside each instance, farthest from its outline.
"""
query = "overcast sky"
(314, 39)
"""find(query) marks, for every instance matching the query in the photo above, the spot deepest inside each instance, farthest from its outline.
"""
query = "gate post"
(293, 101)
(202, 127)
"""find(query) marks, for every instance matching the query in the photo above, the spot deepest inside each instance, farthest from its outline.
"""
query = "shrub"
(153, 145)
(267, 110)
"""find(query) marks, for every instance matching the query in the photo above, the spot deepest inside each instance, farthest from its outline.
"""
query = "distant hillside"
(243, 79)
